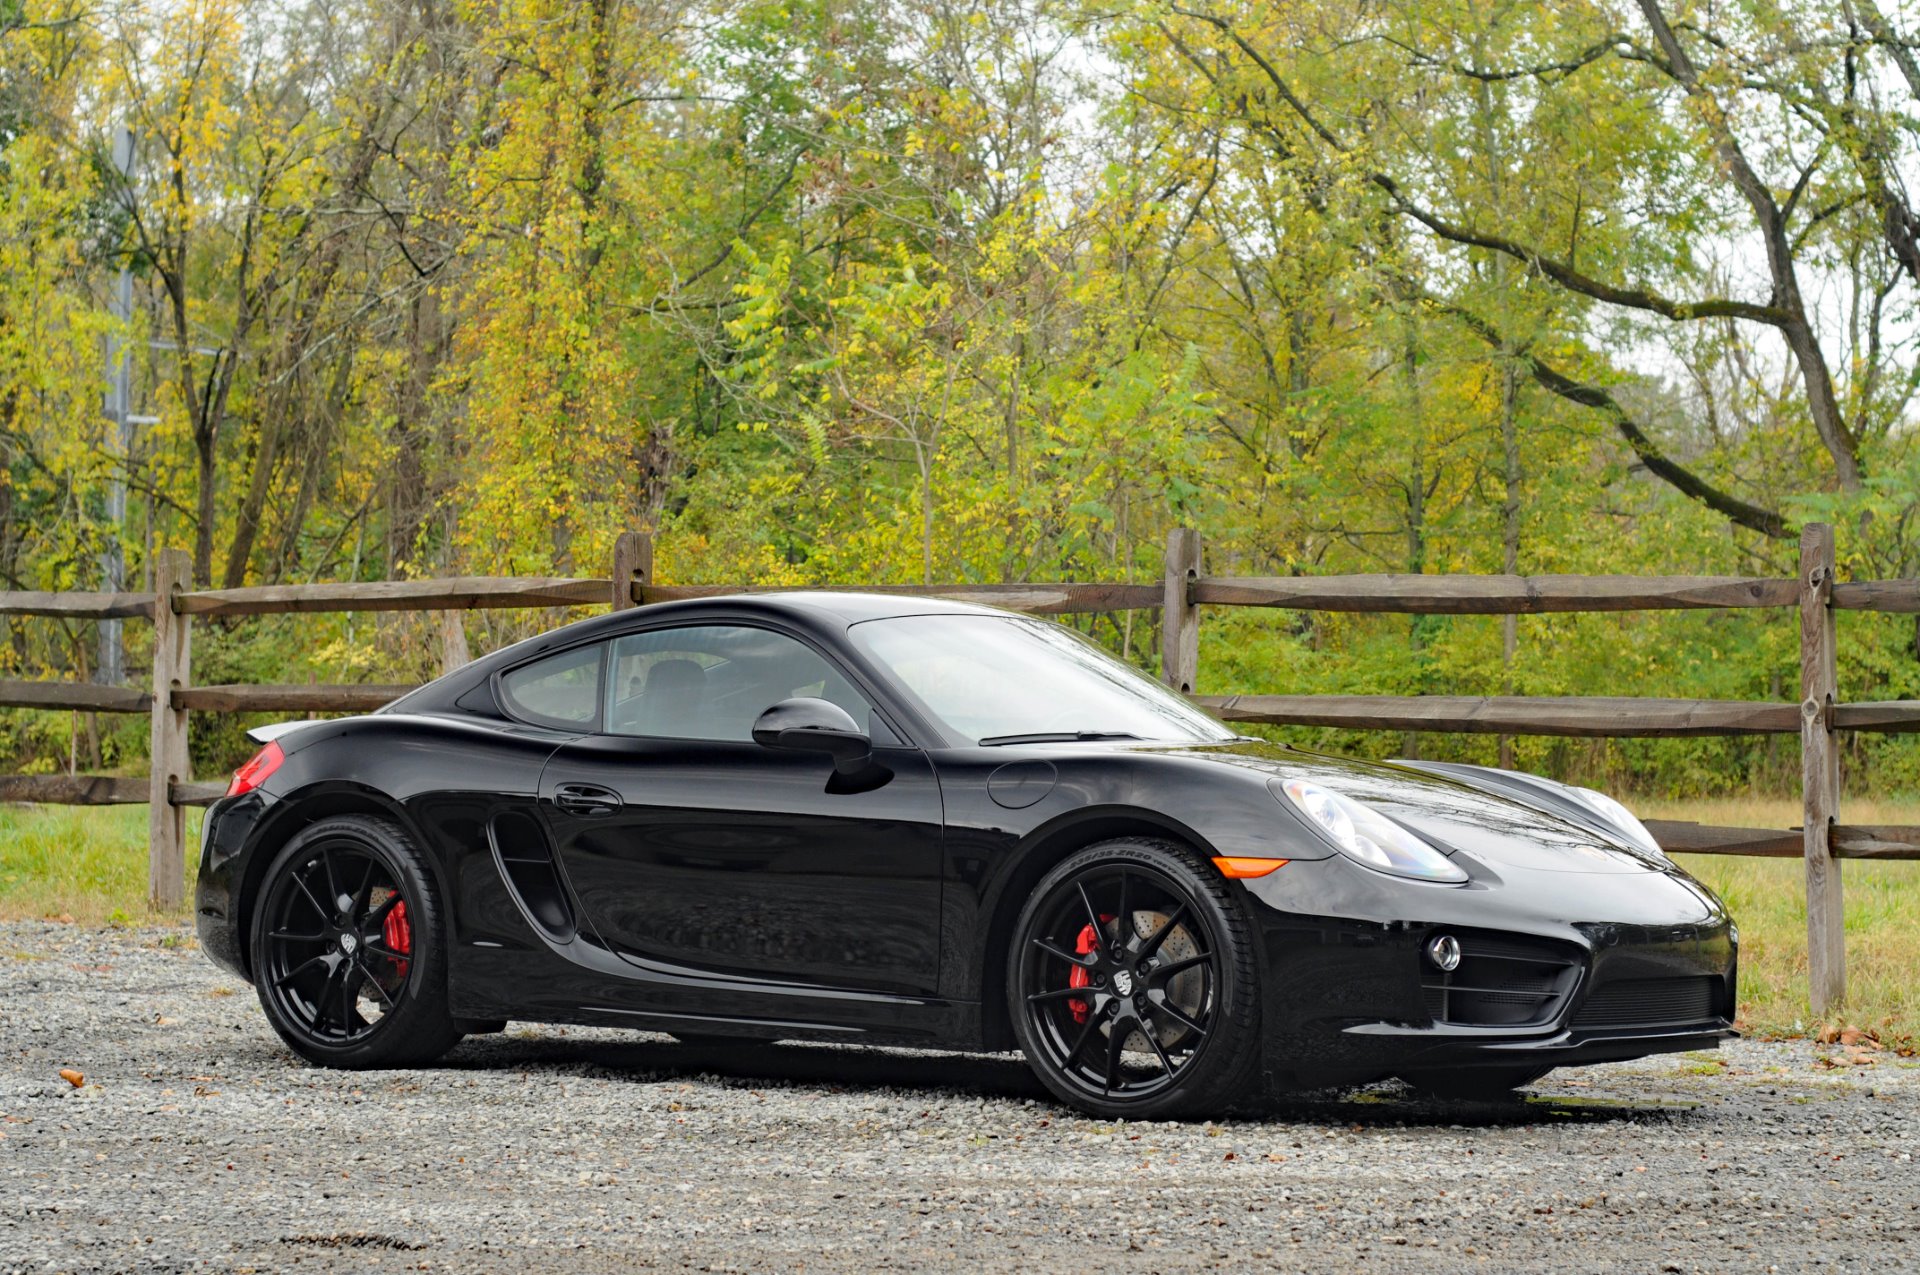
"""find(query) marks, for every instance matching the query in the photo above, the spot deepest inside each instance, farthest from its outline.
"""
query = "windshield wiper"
(1055, 737)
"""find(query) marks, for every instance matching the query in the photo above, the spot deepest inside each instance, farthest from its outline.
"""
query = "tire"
(1180, 981)
(1485, 1084)
(364, 986)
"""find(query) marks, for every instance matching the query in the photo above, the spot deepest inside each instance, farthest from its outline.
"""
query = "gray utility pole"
(111, 668)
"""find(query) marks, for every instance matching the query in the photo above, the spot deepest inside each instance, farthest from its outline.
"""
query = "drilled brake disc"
(1186, 990)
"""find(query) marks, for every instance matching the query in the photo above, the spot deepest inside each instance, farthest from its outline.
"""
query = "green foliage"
(971, 290)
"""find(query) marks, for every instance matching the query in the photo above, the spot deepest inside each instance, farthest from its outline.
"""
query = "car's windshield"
(1003, 679)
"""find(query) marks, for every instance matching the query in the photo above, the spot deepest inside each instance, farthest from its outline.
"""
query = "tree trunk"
(1509, 526)
(246, 527)
(206, 471)
(1822, 403)
(1416, 494)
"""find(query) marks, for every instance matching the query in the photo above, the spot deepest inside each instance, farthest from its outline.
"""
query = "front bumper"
(1352, 997)
(1423, 1049)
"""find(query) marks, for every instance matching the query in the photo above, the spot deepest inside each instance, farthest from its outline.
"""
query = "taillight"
(255, 772)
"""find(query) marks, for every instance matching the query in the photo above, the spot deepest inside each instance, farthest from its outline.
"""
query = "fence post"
(632, 564)
(169, 763)
(1179, 617)
(1820, 773)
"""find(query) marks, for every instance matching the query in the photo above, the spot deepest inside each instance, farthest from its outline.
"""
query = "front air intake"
(1650, 1002)
(1500, 982)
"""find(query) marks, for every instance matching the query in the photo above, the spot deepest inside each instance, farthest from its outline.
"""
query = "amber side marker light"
(1239, 869)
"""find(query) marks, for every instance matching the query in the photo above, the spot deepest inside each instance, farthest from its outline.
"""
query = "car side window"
(712, 681)
(562, 690)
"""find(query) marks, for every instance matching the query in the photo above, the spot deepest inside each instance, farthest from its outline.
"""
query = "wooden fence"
(1817, 718)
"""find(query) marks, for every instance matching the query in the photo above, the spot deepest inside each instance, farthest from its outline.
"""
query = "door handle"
(586, 799)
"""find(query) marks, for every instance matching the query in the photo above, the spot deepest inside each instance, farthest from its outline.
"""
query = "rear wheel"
(349, 947)
(1132, 984)
(1484, 1083)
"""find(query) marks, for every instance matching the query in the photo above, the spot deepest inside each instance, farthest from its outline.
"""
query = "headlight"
(1366, 836)
(1620, 817)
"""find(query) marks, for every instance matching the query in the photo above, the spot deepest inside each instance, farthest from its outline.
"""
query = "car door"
(701, 855)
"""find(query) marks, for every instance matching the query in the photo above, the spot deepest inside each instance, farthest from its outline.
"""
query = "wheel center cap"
(348, 943)
(1123, 983)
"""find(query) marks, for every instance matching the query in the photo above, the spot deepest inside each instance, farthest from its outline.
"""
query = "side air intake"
(526, 861)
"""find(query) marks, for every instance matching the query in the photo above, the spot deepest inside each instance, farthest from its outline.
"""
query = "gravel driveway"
(196, 1140)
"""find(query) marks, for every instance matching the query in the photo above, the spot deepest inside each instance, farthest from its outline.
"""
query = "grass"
(90, 864)
(1768, 898)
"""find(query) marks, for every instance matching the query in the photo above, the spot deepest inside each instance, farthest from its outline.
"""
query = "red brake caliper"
(398, 933)
(1085, 945)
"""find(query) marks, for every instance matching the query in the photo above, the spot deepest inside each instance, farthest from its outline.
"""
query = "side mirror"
(815, 725)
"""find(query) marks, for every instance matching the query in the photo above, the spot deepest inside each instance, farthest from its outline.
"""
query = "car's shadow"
(652, 1060)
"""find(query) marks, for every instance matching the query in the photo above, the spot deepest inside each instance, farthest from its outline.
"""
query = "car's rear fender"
(426, 773)
(279, 820)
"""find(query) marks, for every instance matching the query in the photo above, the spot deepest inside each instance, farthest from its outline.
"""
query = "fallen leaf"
(72, 1077)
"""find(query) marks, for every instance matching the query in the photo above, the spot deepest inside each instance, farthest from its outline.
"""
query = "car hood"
(1449, 813)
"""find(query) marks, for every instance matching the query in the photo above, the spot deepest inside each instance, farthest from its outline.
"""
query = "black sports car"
(859, 818)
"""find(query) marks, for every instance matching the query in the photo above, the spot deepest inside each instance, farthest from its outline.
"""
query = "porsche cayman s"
(871, 819)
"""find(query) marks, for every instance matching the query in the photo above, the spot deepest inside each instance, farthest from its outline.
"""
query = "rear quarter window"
(562, 690)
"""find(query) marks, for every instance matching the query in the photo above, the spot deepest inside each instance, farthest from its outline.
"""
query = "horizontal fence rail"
(101, 790)
(352, 698)
(85, 697)
(1588, 716)
(1033, 599)
(1865, 842)
(1901, 597)
(1495, 595)
(458, 594)
(1179, 595)
(79, 606)
(1405, 595)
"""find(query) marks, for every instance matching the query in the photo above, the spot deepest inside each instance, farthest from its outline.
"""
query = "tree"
(1673, 106)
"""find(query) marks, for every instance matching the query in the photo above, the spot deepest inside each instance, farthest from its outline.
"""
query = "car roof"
(823, 611)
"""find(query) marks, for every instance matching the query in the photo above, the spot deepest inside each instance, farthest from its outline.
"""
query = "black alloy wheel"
(1131, 983)
(348, 950)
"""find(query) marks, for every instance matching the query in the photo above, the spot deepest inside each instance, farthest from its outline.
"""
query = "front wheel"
(1132, 983)
(349, 947)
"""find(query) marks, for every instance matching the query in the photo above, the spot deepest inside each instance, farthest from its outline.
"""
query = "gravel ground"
(195, 1140)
